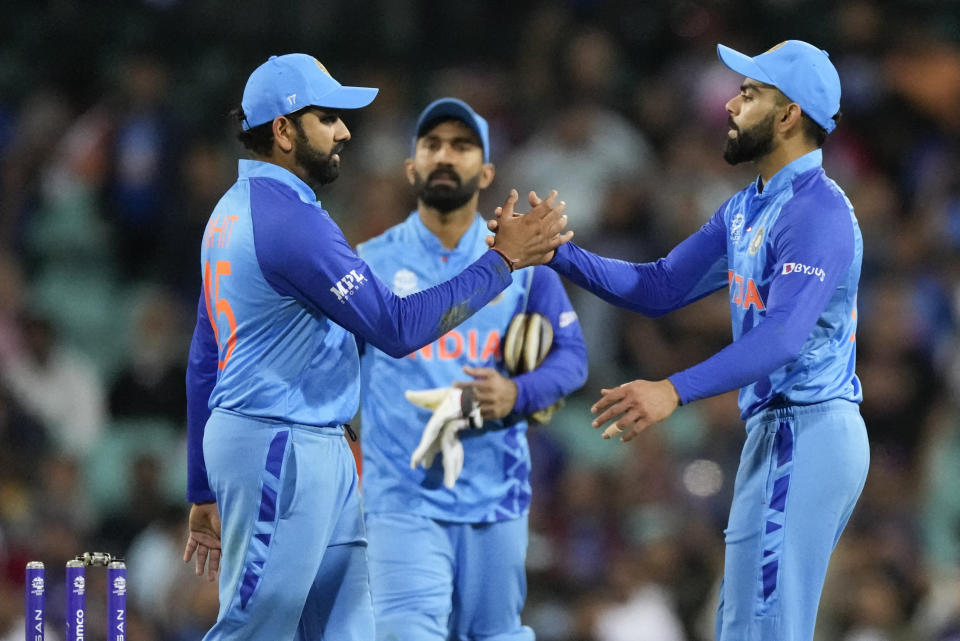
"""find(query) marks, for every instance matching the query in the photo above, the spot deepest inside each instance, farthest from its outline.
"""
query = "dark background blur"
(115, 145)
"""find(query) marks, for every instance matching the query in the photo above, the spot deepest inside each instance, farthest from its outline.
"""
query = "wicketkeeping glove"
(527, 342)
(454, 409)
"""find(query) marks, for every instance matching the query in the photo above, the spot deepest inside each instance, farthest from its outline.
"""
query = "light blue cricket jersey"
(494, 484)
(283, 296)
(790, 256)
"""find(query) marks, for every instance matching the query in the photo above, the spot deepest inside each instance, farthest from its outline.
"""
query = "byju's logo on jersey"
(806, 270)
(348, 285)
(736, 228)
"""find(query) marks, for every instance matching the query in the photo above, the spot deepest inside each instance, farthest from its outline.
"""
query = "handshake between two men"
(529, 239)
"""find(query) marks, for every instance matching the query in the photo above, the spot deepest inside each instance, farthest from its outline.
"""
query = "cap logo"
(292, 99)
(322, 68)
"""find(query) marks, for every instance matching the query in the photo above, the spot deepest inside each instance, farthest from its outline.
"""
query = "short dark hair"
(813, 131)
(811, 128)
(259, 140)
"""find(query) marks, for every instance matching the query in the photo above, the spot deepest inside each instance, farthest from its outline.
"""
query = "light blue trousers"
(294, 553)
(801, 472)
(439, 581)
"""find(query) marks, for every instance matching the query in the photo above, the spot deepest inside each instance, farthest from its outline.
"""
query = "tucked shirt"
(790, 253)
(283, 296)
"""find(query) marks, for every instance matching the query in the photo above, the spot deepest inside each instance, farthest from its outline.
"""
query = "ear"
(410, 171)
(790, 117)
(284, 134)
(487, 172)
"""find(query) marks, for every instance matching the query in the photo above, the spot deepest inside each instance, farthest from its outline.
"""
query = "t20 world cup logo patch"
(736, 228)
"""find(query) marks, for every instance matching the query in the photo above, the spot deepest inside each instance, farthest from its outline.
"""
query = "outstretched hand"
(634, 406)
(531, 238)
(204, 539)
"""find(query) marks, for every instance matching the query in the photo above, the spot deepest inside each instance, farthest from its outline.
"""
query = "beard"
(750, 144)
(445, 198)
(321, 168)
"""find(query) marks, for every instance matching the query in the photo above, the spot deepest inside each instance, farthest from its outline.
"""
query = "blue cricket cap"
(802, 72)
(459, 110)
(288, 83)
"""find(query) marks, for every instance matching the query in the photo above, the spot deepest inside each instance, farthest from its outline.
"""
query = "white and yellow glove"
(453, 410)
(526, 344)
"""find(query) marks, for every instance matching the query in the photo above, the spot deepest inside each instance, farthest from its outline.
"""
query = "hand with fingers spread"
(204, 539)
(634, 406)
(531, 238)
(495, 393)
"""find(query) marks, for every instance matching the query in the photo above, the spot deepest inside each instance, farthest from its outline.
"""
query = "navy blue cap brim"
(447, 109)
(742, 64)
(347, 98)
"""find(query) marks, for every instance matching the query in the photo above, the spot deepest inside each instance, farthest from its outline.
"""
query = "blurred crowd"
(115, 145)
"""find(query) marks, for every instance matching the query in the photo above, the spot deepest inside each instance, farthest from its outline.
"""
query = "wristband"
(509, 261)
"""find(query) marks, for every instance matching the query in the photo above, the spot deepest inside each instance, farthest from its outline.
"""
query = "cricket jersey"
(283, 296)
(790, 253)
(494, 484)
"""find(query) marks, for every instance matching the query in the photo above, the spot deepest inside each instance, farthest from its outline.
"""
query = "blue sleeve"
(794, 303)
(694, 268)
(564, 370)
(302, 253)
(202, 367)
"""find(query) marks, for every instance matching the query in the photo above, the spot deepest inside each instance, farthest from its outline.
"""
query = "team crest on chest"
(736, 228)
(757, 241)
(404, 282)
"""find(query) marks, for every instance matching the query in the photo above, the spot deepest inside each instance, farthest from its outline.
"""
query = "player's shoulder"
(818, 208)
(813, 189)
(388, 239)
(282, 202)
(539, 276)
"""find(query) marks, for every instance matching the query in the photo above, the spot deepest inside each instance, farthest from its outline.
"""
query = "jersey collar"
(467, 244)
(260, 169)
(784, 178)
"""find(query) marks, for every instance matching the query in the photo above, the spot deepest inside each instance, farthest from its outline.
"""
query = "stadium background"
(114, 145)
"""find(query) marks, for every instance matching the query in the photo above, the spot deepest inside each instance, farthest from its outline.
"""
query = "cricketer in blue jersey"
(273, 371)
(789, 249)
(447, 548)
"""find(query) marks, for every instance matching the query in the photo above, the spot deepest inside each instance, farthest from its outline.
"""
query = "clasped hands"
(531, 238)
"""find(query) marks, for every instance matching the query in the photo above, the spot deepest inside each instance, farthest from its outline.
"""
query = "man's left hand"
(203, 539)
(634, 406)
(496, 393)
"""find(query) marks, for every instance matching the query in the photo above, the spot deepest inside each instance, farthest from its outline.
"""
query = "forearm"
(419, 319)
(561, 373)
(764, 349)
(200, 381)
(695, 268)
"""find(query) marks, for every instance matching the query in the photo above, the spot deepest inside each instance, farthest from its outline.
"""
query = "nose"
(442, 154)
(342, 132)
(733, 105)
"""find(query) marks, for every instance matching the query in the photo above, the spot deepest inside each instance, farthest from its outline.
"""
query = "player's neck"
(450, 226)
(781, 156)
(288, 162)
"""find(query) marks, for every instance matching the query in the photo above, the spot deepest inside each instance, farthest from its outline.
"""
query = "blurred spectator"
(143, 169)
(56, 387)
(151, 382)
